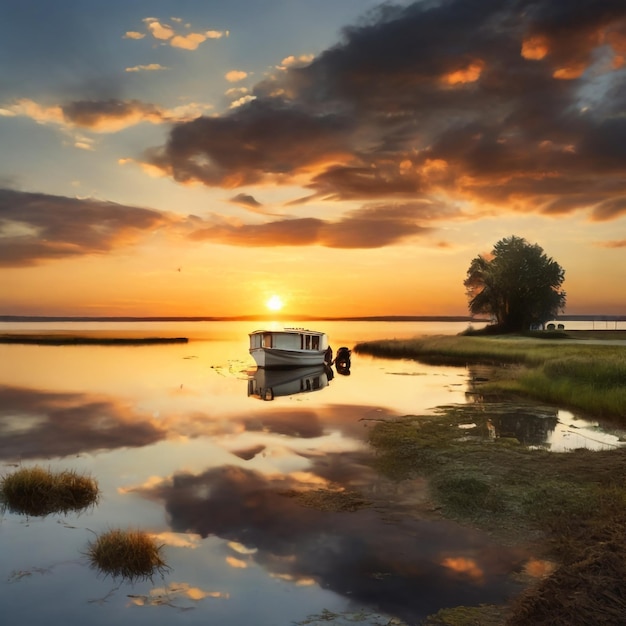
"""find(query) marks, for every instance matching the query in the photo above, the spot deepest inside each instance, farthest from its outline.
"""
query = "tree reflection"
(530, 424)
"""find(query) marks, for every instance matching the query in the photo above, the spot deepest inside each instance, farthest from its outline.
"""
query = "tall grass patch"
(597, 385)
(591, 377)
(127, 554)
(39, 492)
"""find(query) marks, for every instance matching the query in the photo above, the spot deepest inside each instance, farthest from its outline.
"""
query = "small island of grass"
(131, 555)
(39, 492)
(86, 340)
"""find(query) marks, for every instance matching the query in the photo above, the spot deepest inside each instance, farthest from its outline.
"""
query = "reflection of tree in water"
(530, 425)
(531, 429)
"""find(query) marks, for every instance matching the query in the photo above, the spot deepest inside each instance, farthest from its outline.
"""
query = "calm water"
(183, 449)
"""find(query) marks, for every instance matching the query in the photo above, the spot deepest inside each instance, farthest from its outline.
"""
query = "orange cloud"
(535, 48)
(617, 41)
(187, 42)
(236, 563)
(158, 30)
(469, 74)
(151, 67)
(570, 72)
(621, 243)
(235, 76)
(39, 227)
(167, 34)
(293, 61)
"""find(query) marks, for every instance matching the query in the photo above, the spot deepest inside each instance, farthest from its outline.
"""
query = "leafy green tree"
(517, 285)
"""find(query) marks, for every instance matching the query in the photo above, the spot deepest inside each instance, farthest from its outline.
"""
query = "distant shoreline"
(241, 318)
(282, 318)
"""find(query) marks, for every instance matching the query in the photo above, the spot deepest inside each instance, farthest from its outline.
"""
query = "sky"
(335, 157)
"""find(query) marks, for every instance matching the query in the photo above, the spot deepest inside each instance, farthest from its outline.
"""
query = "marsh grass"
(86, 340)
(131, 555)
(570, 507)
(589, 377)
(39, 492)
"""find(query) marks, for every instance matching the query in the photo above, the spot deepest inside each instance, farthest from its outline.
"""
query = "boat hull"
(278, 358)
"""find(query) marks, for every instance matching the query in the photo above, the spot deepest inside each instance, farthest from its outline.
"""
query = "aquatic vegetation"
(128, 554)
(484, 615)
(39, 492)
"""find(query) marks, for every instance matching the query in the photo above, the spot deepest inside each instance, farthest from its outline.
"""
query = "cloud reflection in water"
(403, 568)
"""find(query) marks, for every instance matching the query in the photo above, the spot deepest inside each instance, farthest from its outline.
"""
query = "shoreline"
(105, 339)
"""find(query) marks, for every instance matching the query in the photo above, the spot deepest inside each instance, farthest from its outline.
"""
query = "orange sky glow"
(202, 164)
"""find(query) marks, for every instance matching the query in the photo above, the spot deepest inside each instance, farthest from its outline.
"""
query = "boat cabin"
(289, 339)
(291, 347)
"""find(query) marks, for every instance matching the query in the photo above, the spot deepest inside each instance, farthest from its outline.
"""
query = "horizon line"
(282, 318)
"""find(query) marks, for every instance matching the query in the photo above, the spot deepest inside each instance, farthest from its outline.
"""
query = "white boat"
(290, 347)
(269, 384)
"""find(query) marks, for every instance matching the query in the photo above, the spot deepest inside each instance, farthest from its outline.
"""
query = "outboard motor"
(342, 360)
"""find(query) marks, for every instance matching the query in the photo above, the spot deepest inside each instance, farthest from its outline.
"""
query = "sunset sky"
(196, 158)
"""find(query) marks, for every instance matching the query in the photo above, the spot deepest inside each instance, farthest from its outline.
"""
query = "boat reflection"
(269, 384)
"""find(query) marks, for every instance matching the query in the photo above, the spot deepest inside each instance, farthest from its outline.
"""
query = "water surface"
(183, 450)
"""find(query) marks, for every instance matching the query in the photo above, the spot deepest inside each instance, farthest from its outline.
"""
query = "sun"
(275, 303)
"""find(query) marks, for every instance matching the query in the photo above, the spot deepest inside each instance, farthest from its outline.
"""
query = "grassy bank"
(570, 507)
(585, 376)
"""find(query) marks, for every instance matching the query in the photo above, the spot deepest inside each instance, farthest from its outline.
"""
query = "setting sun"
(275, 303)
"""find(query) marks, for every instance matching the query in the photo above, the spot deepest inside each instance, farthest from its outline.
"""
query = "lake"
(183, 448)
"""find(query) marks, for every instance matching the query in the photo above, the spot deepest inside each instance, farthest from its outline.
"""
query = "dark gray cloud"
(103, 114)
(246, 200)
(370, 227)
(516, 103)
(248, 146)
(37, 227)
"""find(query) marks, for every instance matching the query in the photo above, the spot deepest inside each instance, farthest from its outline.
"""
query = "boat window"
(267, 341)
(316, 343)
(308, 342)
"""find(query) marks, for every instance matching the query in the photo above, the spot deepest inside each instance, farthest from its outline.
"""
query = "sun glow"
(275, 303)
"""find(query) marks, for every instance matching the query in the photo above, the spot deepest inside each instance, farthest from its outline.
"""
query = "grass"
(570, 507)
(588, 377)
(128, 554)
(39, 492)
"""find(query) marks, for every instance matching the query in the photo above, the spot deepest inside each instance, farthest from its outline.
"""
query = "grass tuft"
(128, 554)
(39, 492)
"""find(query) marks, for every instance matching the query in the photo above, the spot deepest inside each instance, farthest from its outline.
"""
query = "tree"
(517, 285)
